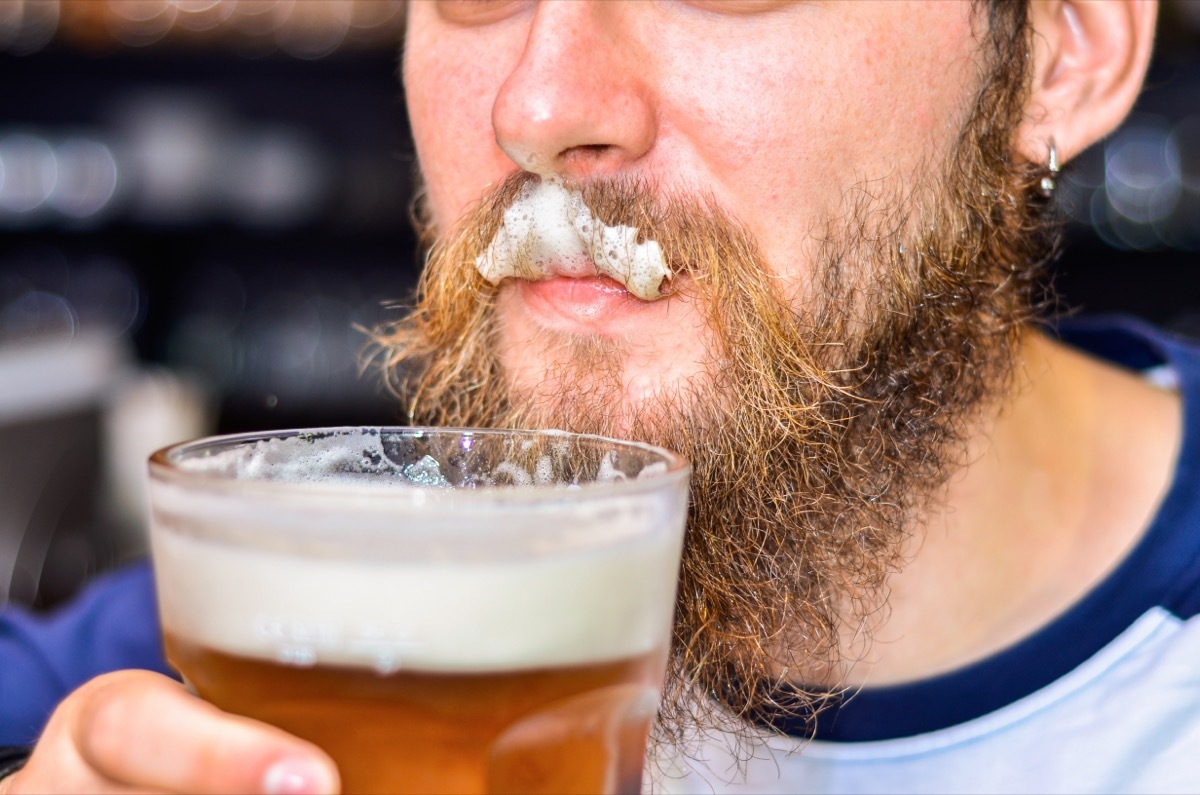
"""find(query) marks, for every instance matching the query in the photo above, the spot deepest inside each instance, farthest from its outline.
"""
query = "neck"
(1056, 489)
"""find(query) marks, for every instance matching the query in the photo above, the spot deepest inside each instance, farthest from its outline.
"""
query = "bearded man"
(933, 546)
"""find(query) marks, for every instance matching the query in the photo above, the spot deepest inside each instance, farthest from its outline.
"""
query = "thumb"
(143, 731)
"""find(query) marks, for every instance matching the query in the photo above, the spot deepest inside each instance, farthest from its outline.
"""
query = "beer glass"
(441, 610)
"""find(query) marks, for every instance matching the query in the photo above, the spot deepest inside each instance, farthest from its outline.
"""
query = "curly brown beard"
(819, 434)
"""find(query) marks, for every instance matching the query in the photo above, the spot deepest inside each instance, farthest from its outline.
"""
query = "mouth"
(585, 302)
(548, 232)
(581, 302)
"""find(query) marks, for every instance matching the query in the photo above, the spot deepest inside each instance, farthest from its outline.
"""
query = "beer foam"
(557, 609)
(548, 230)
(331, 458)
(357, 457)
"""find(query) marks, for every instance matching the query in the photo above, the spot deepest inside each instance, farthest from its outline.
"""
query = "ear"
(1089, 59)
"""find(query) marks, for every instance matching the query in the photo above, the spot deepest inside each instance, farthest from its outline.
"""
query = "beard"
(820, 430)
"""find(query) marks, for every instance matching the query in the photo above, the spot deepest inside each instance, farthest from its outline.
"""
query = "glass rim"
(164, 464)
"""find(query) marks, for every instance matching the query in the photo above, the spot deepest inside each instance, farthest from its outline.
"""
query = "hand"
(139, 731)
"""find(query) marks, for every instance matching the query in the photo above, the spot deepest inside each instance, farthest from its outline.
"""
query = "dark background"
(225, 202)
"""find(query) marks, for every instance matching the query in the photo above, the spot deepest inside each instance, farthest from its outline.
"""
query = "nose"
(576, 104)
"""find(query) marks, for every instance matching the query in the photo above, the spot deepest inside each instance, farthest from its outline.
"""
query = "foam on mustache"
(548, 230)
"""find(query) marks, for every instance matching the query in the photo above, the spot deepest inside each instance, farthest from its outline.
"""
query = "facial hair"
(819, 434)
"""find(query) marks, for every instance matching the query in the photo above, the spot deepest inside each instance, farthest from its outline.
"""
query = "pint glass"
(441, 610)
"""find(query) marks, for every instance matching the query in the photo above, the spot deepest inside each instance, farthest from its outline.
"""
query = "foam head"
(430, 550)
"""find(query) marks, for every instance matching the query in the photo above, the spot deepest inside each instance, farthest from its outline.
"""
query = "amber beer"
(577, 729)
(508, 635)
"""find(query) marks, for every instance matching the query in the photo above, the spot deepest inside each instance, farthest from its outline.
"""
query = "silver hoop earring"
(1050, 181)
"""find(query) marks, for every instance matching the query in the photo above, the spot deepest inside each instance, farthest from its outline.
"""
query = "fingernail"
(297, 776)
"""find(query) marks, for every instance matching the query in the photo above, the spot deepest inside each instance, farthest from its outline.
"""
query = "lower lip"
(591, 302)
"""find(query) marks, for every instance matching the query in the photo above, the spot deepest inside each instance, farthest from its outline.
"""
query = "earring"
(1050, 181)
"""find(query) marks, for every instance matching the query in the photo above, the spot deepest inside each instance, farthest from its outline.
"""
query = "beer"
(498, 640)
(577, 729)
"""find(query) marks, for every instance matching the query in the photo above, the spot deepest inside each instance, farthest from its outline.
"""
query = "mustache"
(715, 262)
(689, 227)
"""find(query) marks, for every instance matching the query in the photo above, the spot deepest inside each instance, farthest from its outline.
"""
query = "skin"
(1060, 484)
(637, 107)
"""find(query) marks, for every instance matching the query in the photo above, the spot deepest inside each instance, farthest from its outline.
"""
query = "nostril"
(585, 159)
(578, 160)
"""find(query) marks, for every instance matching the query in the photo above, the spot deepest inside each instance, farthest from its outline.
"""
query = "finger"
(37, 779)
(146, 731)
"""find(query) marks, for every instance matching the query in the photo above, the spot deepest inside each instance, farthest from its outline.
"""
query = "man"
(950, 546)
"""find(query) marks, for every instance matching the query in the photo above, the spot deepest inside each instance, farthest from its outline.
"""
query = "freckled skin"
(775, 109)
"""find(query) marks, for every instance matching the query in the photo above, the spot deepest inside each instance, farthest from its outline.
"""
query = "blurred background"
(202, 202)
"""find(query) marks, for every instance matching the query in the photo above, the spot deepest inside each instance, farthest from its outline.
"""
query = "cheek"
(450, 105)
(789, 144)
